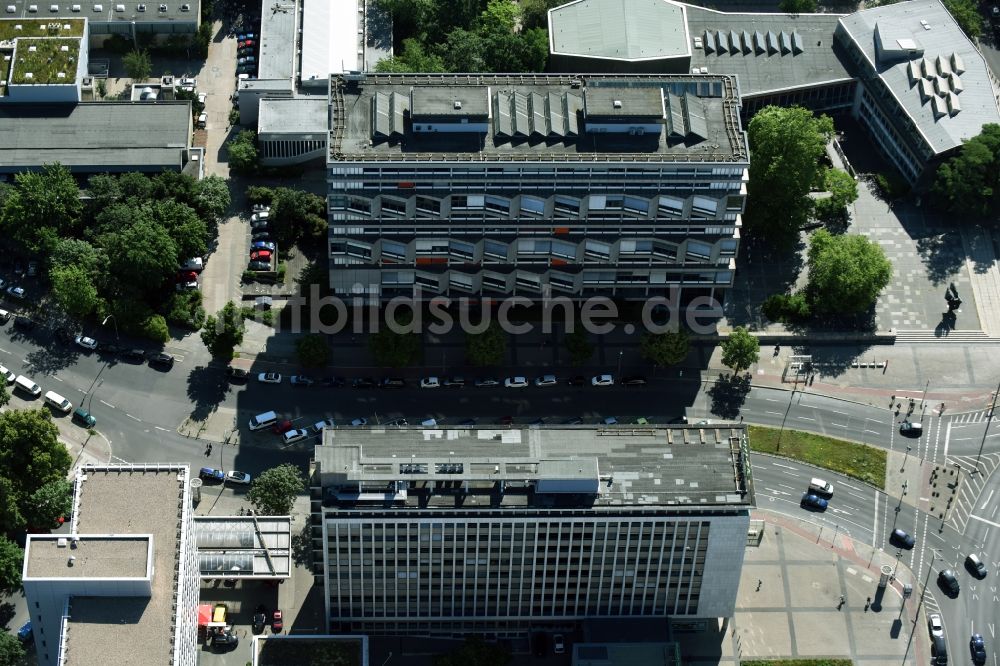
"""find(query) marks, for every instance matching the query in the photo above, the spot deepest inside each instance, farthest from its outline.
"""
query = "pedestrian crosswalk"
(972, 417)
(974, 479)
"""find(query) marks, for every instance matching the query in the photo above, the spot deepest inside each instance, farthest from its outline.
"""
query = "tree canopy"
(843, 191)
(242, 150)
(797, 6)
(137, 65)
(740, 350)
(475, 651)
(578, 345)
(846, 273)
(786, 144)
(969, 182)
(273, 492)
(223, 332)
(488, 347)
(11, 563)
(663, 349)
(314, 350)
(31, 457)
(393, 349)
(41, 207)
(467, 36)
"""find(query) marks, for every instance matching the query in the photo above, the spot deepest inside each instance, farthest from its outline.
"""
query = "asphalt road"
(139, 409)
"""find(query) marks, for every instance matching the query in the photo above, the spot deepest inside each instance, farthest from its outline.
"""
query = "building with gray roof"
(521, 184)
(160, 18)
(96, 137)
(292, 131)
(552, 524)
(122, 586)
(925, 88)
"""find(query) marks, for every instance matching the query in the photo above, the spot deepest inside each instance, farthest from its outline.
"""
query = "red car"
(186, 276)
(260, 255)
(276, 622)
(282, 427)
(246, 43)
(507, 420)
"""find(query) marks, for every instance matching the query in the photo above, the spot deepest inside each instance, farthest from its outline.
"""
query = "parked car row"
(218, 476)
(438, 382)
(262, 246)
(246, 53)
(129, 354)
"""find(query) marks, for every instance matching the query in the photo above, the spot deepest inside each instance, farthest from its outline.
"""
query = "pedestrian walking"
(759, 582)
(868, 603)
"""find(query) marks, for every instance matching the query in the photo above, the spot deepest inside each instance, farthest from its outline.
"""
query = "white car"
(558, 644)
(7, 374)
(262, 216)
(269, 378)
(357, 423)
(430, 382)
(295, 435)
(202, 97)
(602, 380)
(515, 382)
(610, 421)
(546, 380)
(320, 425)
(935, 624)
(239, 478)
(16, 292)
(4, 315)
(90, 344)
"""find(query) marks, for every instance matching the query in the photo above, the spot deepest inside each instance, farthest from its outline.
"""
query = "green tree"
(663, 349)
(80, 254)
(224, 332)
(393, 349)
(475, 651)
(966, 14)
(142, 255)
(314, 350)
(787, 308)
(212, 197)
(413, 58)
(137, 65)
(969, 182)
(243, 152)
(11, 650)
(11, 563)
(488, 347)
(188, 231)
(52, 501)
(4, 396)
(42, 207)
(104, 190)
(797, 6)
(843, 191)
(578, 345)
(740, 350)
(297, 215)
(30, 457)
(154, 327)
(273, 492)
(787, 144)
(463, 52)
(74, 290)
(846, 273)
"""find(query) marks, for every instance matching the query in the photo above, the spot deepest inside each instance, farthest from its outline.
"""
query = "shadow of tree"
(7, 611)
(302, 546)
(941, 255)
(207, 387)
(52, 358)
(728, 394)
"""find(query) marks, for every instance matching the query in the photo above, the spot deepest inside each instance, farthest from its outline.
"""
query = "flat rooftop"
(631, 30)
(535, 118)
(244, 547)
(768, 52)
(106, 11)
(927, 26)
(332, 39)
(36, 25)
(95, 135)
(277, 41)
(46, 61)
(93, 557)
(119, 630)
(303, 115)
(611, 467)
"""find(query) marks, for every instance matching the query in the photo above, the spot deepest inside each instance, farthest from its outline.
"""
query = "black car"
(576, 420)
(133, 355)
(110, 349)
(948, 582)
(161, 359)
(397, 422)
(977, 646)
(23, 323)
(364, 383)
(225, 640)
(333, 382)
(633, 380)
(237, 374)
(901, 539)
(578, 380)
(454, 382)
(486, 382)
(393, 383)
(259, 619)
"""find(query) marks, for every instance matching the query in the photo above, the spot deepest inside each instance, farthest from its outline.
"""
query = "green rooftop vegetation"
(46, 60)
(40, 28)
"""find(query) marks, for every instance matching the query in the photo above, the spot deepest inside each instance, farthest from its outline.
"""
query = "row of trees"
(468, 36)
(115, 248)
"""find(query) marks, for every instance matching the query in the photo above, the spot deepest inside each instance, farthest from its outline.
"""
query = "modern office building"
(122, 586)
(925, 88)
(452, 530)
(906, 71)
(160, 19)
(487, 186)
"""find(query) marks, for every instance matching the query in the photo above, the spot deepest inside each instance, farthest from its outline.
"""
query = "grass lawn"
(859, 461)
(798, 662)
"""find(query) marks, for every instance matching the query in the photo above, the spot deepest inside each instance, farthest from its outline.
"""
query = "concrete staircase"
(961, 337)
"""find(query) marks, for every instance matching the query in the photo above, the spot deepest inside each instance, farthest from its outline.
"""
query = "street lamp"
(989, 419)
(621, 352)
(923, 591)
(113, 321)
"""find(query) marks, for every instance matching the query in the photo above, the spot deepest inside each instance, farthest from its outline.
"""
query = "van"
(27, 386)
(261, 421)
(821, 488)
(56, 401)
(429, 423)
(202, 120)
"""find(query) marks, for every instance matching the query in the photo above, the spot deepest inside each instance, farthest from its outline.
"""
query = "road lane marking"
(839, 412)
(132, 417)
(776, 492)
(108, 404)
(163, 429)
(847, 485)
(983, 520)
(56, 378)
(775, 413)
(874, 432)
(784, 486)
(805, 418)
(857, 495)
(768, 399)
(838, 425)
(4, 351)
(782, 465)
(992, 490)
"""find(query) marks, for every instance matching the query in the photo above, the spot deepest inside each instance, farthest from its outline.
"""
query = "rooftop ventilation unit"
(119, 8)
(53, 8)
(60, 75)
(141, 8)
(697, 42)
(457, 104)
(163, 8)
(32, 48)
(64, 48)
(185, 7)
(32, 8)
(75, 8)
(98, 8)
(29, 75)
(617, 104)
(11, 9)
